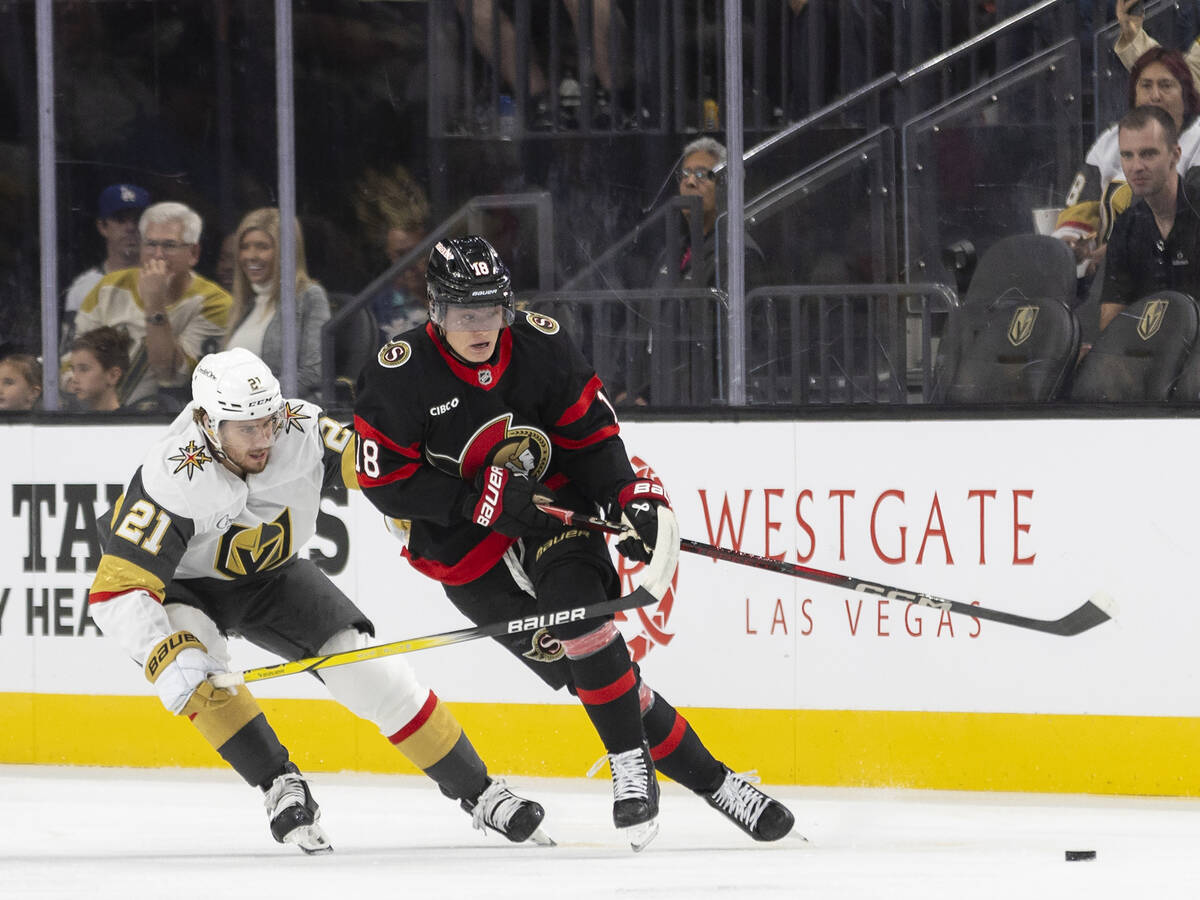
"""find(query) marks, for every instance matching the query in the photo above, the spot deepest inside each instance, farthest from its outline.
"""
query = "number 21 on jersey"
(133, 526)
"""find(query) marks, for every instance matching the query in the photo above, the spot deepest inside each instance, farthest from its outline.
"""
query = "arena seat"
(1141, 354)
(1014, 339)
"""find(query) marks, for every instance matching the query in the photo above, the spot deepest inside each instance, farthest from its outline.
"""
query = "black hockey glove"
(639, 501)
(506, 502)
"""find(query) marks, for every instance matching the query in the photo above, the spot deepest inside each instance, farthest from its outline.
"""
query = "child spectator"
(20, 382)
(99, 359)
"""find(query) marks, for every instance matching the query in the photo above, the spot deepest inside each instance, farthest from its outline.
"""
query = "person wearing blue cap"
(117, 213)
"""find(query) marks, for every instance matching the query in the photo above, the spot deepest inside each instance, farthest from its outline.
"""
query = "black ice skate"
(749, 808)
(504, 812)
(294, 813)
(635, 794)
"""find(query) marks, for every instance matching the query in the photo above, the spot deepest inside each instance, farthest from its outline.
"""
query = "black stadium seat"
(1140, 355)
(1014, 339)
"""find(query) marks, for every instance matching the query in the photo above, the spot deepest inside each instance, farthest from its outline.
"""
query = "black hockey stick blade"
(654, 582)
(1099, 608)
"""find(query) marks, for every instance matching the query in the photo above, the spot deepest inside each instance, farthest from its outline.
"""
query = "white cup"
(1045, 219)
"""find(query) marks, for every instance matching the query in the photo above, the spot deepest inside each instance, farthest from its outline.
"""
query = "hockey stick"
(653, 585)
(1098, 608)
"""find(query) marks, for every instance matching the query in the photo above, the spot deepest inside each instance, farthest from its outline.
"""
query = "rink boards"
(807, 683)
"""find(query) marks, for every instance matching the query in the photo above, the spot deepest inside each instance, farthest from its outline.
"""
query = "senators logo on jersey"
(247, 551)
(518, 448)
(394, 354)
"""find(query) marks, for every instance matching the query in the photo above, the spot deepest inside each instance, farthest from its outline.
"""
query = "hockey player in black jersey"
(202, 545)
(461, 425)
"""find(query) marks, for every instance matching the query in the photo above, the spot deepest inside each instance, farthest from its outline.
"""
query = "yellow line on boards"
(1139, 755)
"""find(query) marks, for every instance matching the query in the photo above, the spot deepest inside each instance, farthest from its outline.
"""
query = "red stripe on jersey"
(668, 744)
(579, 408)
(608, 693)
(416, 721)
(102, 596)
(478, 560)
(369, 431)
(593, 438)
(470, 373)
(407, 471)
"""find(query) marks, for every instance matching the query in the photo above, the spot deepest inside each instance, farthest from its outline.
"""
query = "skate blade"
(542, 839)
(309, 838)
(641, 835)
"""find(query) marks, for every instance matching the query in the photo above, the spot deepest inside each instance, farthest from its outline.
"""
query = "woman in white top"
(1160, 77)
(254, 320)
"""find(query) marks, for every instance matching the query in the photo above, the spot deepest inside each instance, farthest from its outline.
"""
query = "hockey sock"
(606, 685)
(435, 743)
(240, 732)
(675, 747)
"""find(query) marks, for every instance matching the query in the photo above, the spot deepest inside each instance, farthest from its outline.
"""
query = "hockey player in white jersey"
(203, 545)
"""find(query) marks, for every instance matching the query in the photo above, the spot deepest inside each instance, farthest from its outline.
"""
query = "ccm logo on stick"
(531, 623)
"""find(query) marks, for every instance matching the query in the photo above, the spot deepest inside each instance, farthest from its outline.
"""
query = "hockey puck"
(1077, 855)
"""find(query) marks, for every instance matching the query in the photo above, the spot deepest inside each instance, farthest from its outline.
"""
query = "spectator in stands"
(20, 382)
(99, 359)
(1132, 41)
(1159, 78)
(697, 178)
(173, 314)
(1155, 244)
(117, 213)
(255, 322)
(484, 14)
(395, 213)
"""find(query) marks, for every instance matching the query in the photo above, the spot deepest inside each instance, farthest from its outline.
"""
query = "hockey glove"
(507, 502)
(639, 501)
(178, 666)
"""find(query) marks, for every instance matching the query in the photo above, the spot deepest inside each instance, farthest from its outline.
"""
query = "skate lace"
(495, 807)
(629, 776)
(739, 798)
(286, 790)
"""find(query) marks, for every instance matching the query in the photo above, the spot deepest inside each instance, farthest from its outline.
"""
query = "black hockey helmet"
(464, 272)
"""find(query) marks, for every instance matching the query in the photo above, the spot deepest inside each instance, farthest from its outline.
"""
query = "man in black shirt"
(1154, 242)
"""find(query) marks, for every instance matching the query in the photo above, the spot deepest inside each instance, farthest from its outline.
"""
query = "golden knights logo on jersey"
(191, 458)
(246, 551)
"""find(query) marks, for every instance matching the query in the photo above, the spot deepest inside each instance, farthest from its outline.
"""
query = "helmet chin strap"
(213, 439)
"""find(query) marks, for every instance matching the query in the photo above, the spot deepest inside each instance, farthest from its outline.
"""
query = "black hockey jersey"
(426, 423)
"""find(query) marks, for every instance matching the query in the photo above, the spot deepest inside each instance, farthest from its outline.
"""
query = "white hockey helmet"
(233, 386)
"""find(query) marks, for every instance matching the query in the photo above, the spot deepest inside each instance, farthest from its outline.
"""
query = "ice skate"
(504, 812)
(761, 817)
(294, 813)
(635, 794)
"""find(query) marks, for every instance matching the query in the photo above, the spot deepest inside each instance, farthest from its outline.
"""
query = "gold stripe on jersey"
(117, 576)
(220, 724)
(349, 475)
(435, 737)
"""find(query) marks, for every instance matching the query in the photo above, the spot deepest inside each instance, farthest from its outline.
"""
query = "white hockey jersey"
(185, 515)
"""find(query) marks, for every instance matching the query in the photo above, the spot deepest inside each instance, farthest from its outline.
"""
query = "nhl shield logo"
(1021, 325)
(484, 376)
(1152, 319)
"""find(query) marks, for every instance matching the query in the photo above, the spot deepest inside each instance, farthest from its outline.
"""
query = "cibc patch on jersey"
(544, 324)
(519, 448)
(394, 354)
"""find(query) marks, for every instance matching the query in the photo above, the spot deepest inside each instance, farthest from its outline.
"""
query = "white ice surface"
(95, 833)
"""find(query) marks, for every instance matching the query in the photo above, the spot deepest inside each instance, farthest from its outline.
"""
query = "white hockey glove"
(178, 666)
